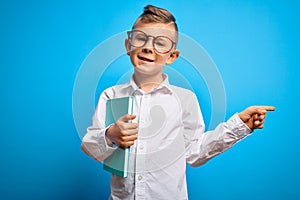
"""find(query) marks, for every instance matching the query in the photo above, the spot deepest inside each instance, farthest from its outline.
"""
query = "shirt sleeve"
(95, 143)
(200, 146)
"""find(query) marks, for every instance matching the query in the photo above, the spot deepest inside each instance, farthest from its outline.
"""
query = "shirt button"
(140, 178)
(141, 147)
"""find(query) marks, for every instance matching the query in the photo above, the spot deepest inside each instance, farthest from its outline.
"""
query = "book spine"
(127, 150)
(130, 106)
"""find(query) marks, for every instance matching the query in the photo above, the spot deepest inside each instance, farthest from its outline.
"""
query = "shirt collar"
(164, 86)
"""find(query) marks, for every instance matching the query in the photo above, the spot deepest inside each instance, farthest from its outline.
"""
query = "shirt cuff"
(109, 144)
(238, 127)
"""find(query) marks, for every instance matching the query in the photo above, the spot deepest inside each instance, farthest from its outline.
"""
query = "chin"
(149, 69)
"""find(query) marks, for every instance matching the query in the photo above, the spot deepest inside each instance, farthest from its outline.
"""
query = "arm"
(201, 147)
(100, 141)
(95, 143)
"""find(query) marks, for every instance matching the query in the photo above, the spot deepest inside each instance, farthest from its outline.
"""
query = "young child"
(167, 128)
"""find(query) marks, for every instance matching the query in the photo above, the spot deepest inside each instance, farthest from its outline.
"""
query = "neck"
(147, 82)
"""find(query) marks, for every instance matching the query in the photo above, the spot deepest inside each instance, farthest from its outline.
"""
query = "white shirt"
(170, 134)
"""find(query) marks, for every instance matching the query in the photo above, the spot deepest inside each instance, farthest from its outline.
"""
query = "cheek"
(162, 58)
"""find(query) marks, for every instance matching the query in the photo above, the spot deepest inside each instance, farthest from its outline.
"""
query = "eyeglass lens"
(161, 44)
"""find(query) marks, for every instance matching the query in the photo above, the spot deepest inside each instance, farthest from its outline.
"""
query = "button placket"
(140, 151)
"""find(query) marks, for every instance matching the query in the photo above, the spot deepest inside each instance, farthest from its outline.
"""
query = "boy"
(167, 126)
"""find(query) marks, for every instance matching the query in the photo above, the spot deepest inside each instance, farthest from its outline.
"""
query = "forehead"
(157, 29)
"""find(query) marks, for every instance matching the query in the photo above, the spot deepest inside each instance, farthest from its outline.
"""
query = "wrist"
(108, 138)
(241, 116)
(246, 121)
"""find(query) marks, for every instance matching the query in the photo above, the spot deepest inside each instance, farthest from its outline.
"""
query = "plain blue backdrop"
(43, 44)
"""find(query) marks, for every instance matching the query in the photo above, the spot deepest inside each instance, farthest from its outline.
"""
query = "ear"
(173, 56)
(127, 46)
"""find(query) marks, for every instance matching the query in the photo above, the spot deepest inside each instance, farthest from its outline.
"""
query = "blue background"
(255, 46)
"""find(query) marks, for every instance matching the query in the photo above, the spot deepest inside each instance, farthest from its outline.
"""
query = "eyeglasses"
(161, 44)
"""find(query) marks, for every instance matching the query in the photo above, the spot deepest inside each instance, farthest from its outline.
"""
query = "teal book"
(118, 162)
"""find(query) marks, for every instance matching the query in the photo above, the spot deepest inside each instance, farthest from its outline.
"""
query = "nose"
(148, 47)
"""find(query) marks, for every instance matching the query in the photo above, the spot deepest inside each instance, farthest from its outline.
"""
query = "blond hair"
(153, 14)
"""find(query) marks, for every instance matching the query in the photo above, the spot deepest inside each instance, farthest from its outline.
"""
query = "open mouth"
(145, 59)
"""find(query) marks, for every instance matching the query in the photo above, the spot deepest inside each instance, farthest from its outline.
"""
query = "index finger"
(267, 108)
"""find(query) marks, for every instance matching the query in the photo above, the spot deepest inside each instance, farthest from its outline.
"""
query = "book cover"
(118, 162)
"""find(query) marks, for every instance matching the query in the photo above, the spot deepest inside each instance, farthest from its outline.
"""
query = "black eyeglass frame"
(154, 38)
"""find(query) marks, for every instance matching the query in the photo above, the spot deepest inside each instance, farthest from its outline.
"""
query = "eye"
(161, 42)
(140, 37)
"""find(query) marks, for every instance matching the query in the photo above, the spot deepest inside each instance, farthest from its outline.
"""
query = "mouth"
(145, 59)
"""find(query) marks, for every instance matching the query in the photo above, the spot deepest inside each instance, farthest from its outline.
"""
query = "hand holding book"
(123, 132)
